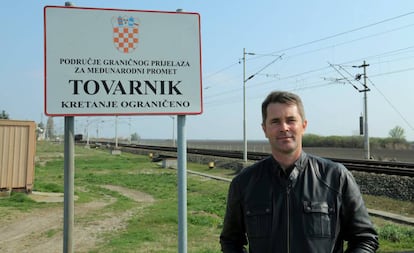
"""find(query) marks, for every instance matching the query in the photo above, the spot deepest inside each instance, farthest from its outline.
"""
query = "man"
(292, 201)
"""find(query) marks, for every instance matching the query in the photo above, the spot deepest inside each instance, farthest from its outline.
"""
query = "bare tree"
(397, 133)
(135, 137)
(50, 130)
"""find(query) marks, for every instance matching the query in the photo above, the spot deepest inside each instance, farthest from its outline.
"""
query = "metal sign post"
(182, 184)
(69, 179)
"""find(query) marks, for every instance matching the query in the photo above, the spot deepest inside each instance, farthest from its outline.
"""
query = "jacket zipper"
(288, 216)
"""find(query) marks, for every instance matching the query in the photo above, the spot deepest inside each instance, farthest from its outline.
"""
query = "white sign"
(121, 62)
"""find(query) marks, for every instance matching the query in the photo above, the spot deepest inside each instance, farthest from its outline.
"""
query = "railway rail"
(390, 168)
(371, 166)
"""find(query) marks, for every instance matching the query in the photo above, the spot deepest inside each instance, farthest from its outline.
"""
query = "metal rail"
(371, 166)
(391, 168)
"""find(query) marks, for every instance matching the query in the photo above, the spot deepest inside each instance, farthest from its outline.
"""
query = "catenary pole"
(244, 108)
(365, 118)
(366, 136)
(244, 97)
(116, 131)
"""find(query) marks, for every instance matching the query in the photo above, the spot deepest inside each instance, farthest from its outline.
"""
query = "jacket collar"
(301, 162)
(296, 168)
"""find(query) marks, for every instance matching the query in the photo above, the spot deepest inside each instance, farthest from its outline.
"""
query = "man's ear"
(304, 125)
(264, 129)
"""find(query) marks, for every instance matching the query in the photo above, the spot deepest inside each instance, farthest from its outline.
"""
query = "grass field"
(146, 226)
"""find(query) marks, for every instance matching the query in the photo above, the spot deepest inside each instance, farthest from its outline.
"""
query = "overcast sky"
(308, 47)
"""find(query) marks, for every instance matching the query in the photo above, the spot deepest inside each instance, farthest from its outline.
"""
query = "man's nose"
(284, 127)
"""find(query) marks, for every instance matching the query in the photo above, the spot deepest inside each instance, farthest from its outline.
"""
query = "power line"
(343, 76)
(223, 69)
(349, 62)
(329, 37)
(267, 65)
(342, 33)
(392, 106)
(325, 38)
(215, 97)
(393, 72)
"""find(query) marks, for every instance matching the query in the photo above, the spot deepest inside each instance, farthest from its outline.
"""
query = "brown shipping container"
(17, 154)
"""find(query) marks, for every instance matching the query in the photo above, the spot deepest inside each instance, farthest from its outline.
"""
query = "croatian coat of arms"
(125, 33)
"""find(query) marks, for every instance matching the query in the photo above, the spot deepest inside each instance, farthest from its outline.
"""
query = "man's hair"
(282, 97)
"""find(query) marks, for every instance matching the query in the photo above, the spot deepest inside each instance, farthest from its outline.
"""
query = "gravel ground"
(41, 230)
(401, 188)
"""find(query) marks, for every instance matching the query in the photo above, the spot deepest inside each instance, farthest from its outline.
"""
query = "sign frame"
(86, 73)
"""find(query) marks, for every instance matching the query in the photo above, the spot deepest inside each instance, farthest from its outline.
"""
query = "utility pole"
(365, 90)
(244, 108)
(366, 136)
(244, 104)
(244, 93)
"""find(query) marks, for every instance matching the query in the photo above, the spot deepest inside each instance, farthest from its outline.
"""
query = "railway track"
(380, 167)
(390, 168)
(371, 166)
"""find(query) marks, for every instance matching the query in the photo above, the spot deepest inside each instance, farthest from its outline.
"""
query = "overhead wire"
(332, 36)
(343, 33)
(351, 41)
(294, 76)
(392, 106)
(344, 77)
(323, 39)
(312, 71)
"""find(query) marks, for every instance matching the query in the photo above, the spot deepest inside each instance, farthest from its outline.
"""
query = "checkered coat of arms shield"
(125, 33)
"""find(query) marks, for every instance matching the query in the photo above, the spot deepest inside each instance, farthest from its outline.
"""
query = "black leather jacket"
(314, 209)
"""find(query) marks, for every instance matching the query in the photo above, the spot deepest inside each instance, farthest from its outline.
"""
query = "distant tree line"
(312, 140)
(396, 139)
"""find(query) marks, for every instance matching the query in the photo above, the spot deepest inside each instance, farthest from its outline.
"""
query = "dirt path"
(41, 231)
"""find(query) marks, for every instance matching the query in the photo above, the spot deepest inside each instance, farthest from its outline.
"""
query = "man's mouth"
(285, 137)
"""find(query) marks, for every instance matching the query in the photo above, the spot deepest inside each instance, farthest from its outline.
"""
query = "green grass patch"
(154, 227)
(17, 201)
(405, 208)
(396, 238)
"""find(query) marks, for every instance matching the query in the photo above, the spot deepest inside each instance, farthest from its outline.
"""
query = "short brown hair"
(282, 97)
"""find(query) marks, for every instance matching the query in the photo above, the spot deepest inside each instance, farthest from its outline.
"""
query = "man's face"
(284, 127)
